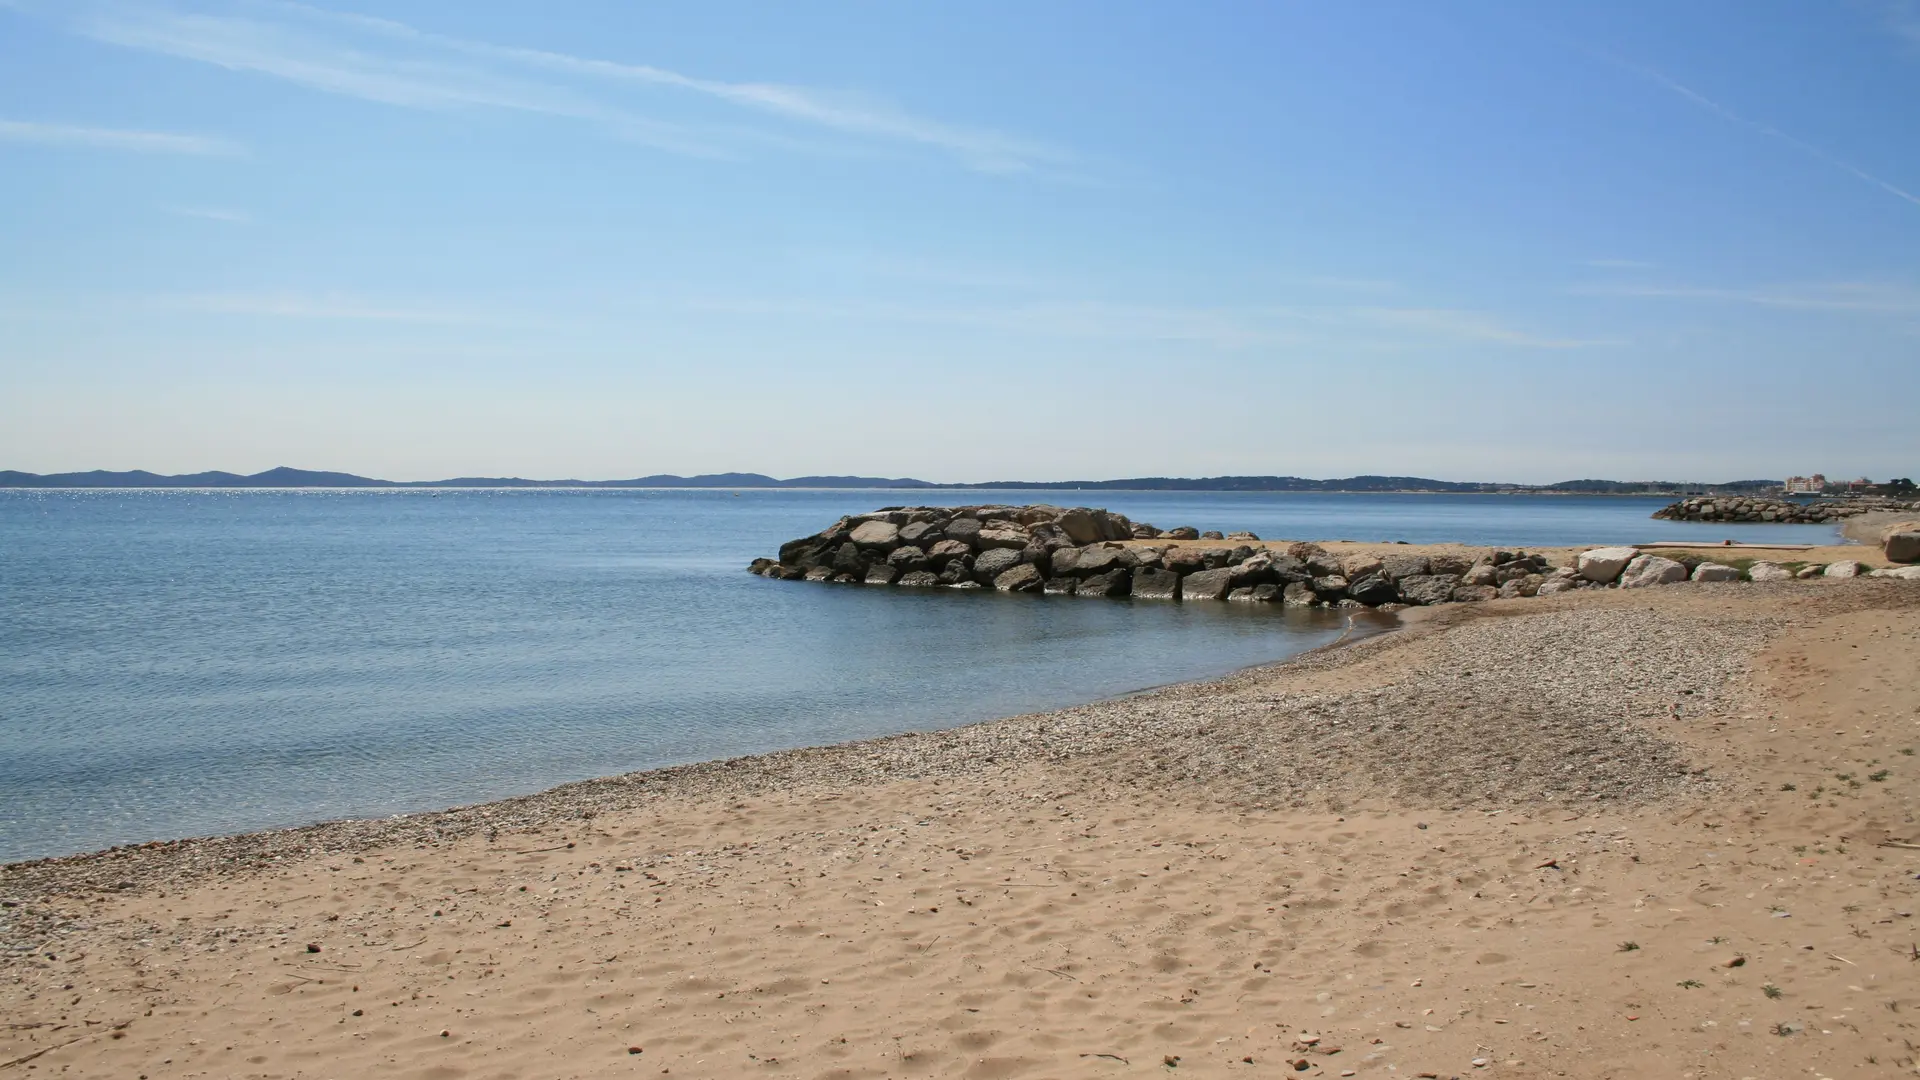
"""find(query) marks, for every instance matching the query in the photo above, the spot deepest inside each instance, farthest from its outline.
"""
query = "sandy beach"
(1661, 832)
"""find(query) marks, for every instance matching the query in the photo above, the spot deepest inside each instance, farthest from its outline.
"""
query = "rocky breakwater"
(1087, 552)
(1783, 511)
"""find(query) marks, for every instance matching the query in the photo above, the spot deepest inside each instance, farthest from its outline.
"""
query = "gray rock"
(908, 558)
(1039, 558)
(1081, 525)
(1144, 531)
(849, 560)
(993, 562)
(881, 574)
(1844, 568)
(918, 579)
(1062, 586)
(1287, 569)
(1428, 588)
(1405, 566)
(1473, 594)
(1707, 571)
(1206, 584)
(1003, 537)
(947, 550)
(921, 533)
(1255, 570)
(1243, 536)
(1117, 582)
(957, 570)
(1268, 594)
(1604, 565)
(1022, 578)
(1242, 595)
(1898, 573)
(1323, 564)
(1525, 585)
(1481, 574)
(1330, 587)
(1213, 534)
(820, 573)
(1444, 565)
(1902, 547)
(1645, 570)
(1184, 560)
(1154, 584)
(1807, 573)
(964, 529)
(1184, 532)
(1297, 594)
(1374, 589)
(1100, 559)
(1769, 571)
(1553, 586)
(883, 535)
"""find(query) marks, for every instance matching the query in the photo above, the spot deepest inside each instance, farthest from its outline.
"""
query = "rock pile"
(1086, 552)
(1784, 511)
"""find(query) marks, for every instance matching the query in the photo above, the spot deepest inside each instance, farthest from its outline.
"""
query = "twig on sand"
(409, 945)
(1903, 845)
(1109, 1057)
(24, 1058)
(1052, 971)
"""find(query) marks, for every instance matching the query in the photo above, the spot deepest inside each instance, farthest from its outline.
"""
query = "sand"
(1660, 833)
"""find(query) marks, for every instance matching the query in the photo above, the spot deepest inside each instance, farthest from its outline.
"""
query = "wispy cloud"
(1468, 326)
(393, 63)
(1619, 264)
(143, 142)
(1768, 130)
(1903, 18)
(1873, 298)
(208, 213)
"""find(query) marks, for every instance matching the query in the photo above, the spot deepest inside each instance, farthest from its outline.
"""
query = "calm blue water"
(178, 663)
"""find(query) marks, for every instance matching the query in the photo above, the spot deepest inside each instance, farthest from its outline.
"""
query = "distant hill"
(284, 477)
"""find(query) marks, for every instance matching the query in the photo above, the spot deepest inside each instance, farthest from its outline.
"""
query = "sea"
(191, 662)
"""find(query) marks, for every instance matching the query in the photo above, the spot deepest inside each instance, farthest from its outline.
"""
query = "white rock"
(1648, 570)
(1768, 571)
(1904, 573)
(1708, 571)
(1604, 564)
(1844, 568)
(876, 534)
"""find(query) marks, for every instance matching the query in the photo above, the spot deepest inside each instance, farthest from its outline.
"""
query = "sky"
(1082, 239)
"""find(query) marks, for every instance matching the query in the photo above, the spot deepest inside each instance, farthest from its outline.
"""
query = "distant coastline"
(285, 477)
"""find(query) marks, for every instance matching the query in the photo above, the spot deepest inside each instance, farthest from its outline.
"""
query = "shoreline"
(258, 848)
(1601, 834)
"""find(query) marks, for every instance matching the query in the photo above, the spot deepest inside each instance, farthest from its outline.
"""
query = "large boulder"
(849, 560)
(958, 571)
(1115, 582)
(1526, 585)
(993, 562)
(1769, 571)
(946, 551)
(1473, 594)
(1081, 525)
(1647, 570)
(1297, 594)
(1428, 588)
(1330, 587)
(1707, 571)
(1898, 573)
(1374, 589)
(1100, 559)
(881, 574)
(1603, 565)
(1154, 584)
(881, 535)
(908, 558)
(1355, 567)
(1405, 566)
(964, 529)
(1003, 537)
(1207, 584)
(1243, 536)
(918, 579)
(1456, 565)
(1022, 578)
(1902, 547)
(1553, 586)
(1039, 558)
(1256, 569)
(1062, 586)
(1481, 574)
(1183, 560)
(1287, 569)
(1844, 568)
(820, 573)
(921, 533)
(1184, 532)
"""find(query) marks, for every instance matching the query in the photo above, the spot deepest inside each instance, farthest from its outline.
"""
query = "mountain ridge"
(288, 477)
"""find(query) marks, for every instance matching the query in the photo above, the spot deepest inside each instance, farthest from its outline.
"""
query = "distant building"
(1861, 484)
(1806, 485)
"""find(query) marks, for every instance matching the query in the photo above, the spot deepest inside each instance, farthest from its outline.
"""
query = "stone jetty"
(1736, 508)
(1081, 551)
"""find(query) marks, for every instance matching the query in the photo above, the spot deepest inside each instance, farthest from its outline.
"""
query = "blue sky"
(963, 242)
